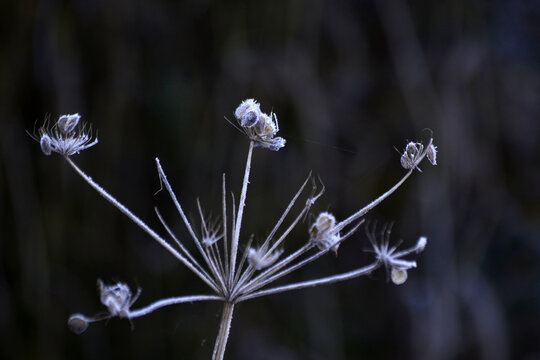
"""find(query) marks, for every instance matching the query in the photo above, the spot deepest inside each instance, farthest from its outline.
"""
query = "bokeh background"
(350, 81)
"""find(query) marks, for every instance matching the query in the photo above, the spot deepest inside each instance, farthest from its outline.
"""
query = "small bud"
(67, 123)
(432, 154)
(421, 244)
(398, 276)
(45, 143)
(78, 323)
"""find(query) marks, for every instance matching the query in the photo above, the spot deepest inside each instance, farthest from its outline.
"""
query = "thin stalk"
(310, 283)
(171, 301)
(378, 200)
(236, 235)
(225, 239)
(182, 248)
(272, 273)
(139, 222)
(224, 329)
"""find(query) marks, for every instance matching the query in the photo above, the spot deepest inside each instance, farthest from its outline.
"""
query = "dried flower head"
(411, 155)
(391, 258)
(117, 298)
(66, 137)
(216, 263)
(259, 127)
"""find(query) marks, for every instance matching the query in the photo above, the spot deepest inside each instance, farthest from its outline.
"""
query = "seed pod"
(67, 123)
(45, 143)
(411, 154)
(77, 323)
(432, 154)
(248, 113)
(398, 276)
(249, 119)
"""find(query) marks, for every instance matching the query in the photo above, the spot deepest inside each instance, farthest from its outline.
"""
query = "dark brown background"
(349, 81)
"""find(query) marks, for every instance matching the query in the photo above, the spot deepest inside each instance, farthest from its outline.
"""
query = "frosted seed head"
(398, 276)
(45, 143)
(258, 126)
(67, 123)
(78, 323)
(411, 154)
(117, 297)
(432, 154)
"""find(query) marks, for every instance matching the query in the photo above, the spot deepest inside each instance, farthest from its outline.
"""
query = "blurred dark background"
(349, 81)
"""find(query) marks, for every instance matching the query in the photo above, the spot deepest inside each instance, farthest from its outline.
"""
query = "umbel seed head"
(259, 127)
(117, 297)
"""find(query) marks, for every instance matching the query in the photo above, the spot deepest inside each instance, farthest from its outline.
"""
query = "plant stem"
(224, 329)
(236, 235)
(311, 283)
(140, 223)
(171, 301)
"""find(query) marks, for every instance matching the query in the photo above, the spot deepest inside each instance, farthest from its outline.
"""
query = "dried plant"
(231, 277)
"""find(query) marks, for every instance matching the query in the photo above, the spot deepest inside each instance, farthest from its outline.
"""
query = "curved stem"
(171, 301)
(378, 200)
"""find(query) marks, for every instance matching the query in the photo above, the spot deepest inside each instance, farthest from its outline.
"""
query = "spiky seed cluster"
(323, 233)
(66, 137)
(259, 127)
(390, 257)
